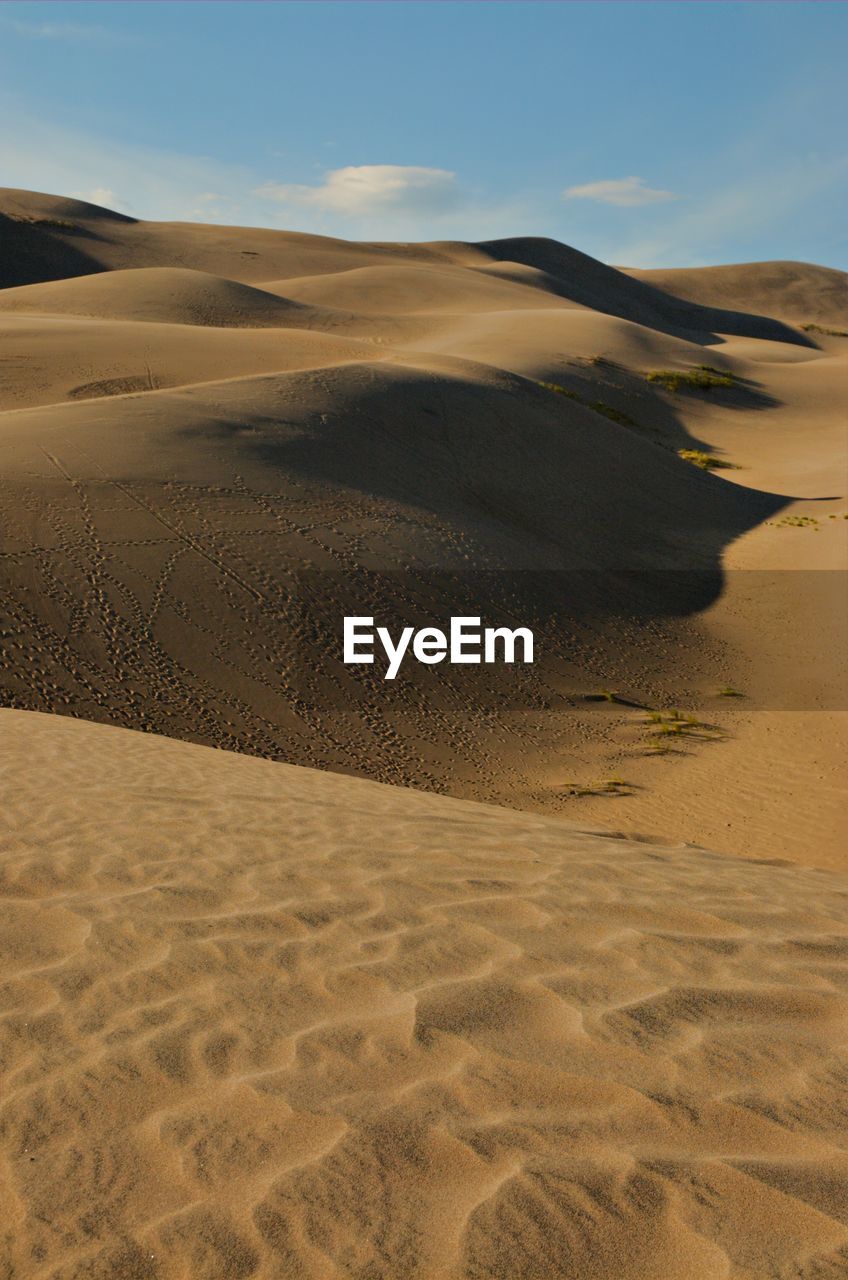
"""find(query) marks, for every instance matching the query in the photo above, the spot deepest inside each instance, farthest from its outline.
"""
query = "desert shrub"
(609, 411)
(706, 461)
(562, 391)
(597, 406)
(702, 378)
(818, 328)
(33, 220)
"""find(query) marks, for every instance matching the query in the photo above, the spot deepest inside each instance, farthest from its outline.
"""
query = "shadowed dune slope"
(584, 280)
(46, 237)
(182, 560)
(798, 292)
(242, 1039)
(94, 239)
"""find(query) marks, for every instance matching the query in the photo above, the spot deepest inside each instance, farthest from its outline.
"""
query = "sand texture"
(215, 442)
(262, 1021)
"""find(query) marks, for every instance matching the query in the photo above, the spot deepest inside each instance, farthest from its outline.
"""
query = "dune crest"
(797, 292)
(169, 295)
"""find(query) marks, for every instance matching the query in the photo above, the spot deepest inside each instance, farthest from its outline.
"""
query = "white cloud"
(369, 189)
(625, 192)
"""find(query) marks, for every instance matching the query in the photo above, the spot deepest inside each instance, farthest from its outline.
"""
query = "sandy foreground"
(264, 1021)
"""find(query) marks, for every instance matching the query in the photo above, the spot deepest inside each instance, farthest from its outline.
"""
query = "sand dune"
(165, 294)
(51, 359)
(798, 292)
(553, 344)
(584, 280)
(51, 238)
(239, 1039)
(41, 229)
(217, 439)
(411, 290)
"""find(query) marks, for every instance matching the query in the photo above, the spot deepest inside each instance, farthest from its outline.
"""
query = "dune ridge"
(797, 292)
(240, 1039)
(53, 225)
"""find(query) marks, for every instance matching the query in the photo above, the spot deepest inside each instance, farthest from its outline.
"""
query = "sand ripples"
(260, 1021)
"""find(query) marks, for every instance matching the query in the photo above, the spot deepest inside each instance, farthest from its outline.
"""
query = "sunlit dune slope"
(242, 1037)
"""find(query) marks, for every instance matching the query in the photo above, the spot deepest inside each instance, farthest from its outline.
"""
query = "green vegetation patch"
(706, 461)
(668, 727)
(702, 378)
(609, 411)
(831, 333)
(561, 391)
(33, 220)
(597, 406)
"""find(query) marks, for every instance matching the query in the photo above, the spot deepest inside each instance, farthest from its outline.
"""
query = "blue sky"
(648, 134)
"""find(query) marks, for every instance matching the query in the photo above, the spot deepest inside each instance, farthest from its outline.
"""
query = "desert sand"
(531, 973)
(243, 1037)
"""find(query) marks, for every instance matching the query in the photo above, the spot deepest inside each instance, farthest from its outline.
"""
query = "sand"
(242, 1037)
(797, 292)
(280, 996)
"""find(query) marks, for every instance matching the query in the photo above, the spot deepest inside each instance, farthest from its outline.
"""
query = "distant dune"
(796, 292)
(42, 228)
(242, 1037)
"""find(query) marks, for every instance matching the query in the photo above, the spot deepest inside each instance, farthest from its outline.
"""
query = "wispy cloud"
(66, 32)
(143, 181)
(740, 215)
(369, 189)
(628, 193)
(103, 196)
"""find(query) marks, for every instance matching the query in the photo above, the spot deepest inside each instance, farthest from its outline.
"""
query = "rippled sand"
(262, 1021)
